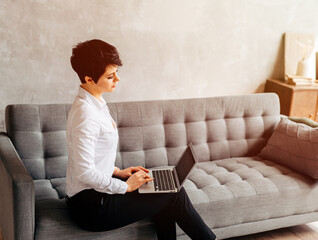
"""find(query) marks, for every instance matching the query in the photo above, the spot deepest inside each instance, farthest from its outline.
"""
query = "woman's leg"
(188, 218)
(114, 211)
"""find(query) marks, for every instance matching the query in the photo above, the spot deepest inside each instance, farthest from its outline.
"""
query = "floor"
(301, 232)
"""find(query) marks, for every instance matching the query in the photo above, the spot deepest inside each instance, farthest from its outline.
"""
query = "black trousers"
(97, 211)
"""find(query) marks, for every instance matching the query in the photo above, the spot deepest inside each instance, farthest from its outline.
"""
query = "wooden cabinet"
(297, 101)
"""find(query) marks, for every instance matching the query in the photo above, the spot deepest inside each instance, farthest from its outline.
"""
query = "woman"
(100, 195)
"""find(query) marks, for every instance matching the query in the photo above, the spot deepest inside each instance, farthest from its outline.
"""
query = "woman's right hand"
(137, 180)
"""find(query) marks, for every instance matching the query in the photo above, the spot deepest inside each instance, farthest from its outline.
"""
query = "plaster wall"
(170, 48)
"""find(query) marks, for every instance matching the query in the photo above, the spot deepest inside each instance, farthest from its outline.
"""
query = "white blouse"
(92, 138)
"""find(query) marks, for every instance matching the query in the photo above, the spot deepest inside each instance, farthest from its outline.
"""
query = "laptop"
(170, 180)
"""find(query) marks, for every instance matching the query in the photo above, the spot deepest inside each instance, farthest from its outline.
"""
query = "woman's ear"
(89, 80)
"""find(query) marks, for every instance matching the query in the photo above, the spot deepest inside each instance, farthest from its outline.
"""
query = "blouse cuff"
(123, 188)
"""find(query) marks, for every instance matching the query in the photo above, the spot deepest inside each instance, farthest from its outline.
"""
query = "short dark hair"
(91, 57)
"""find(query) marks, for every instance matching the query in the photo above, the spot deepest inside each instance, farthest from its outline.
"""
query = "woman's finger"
(149, 179)
(136, 169)
(144, 169)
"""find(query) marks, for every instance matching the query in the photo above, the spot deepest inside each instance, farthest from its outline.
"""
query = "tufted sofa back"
(151, 133)
(38, 133)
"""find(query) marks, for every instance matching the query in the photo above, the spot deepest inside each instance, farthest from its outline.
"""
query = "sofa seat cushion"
(221, 189)
(218, 189)
(54, 222)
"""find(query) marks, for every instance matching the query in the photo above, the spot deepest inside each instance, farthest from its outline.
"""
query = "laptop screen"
(184, 166)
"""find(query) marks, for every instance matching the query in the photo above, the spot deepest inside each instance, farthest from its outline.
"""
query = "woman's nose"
(116, 78)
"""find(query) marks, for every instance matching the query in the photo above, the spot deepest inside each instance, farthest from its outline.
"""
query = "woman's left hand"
(126, 173)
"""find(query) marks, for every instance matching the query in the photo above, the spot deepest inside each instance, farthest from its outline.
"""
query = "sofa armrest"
(17, 204)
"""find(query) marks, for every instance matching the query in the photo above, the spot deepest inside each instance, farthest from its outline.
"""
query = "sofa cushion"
(151, 133)
(294, 145)
(218, 189)
(38, 133)
(221, 189)
(53, 222)
(155, 133)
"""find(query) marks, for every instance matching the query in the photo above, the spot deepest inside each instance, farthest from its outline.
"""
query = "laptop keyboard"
(163, 180)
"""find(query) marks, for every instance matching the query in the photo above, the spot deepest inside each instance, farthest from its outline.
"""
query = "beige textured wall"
(170, 48)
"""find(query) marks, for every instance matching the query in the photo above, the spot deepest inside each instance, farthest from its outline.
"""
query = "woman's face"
(107, 82)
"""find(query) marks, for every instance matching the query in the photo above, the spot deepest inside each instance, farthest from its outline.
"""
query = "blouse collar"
(82, 93)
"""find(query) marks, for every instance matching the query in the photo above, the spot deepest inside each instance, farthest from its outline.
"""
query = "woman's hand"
(126, 173)
(137, 179)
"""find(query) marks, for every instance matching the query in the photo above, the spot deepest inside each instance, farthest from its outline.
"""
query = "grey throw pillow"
(294, 145)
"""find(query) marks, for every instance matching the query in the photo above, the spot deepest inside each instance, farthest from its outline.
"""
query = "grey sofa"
(235, 191)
